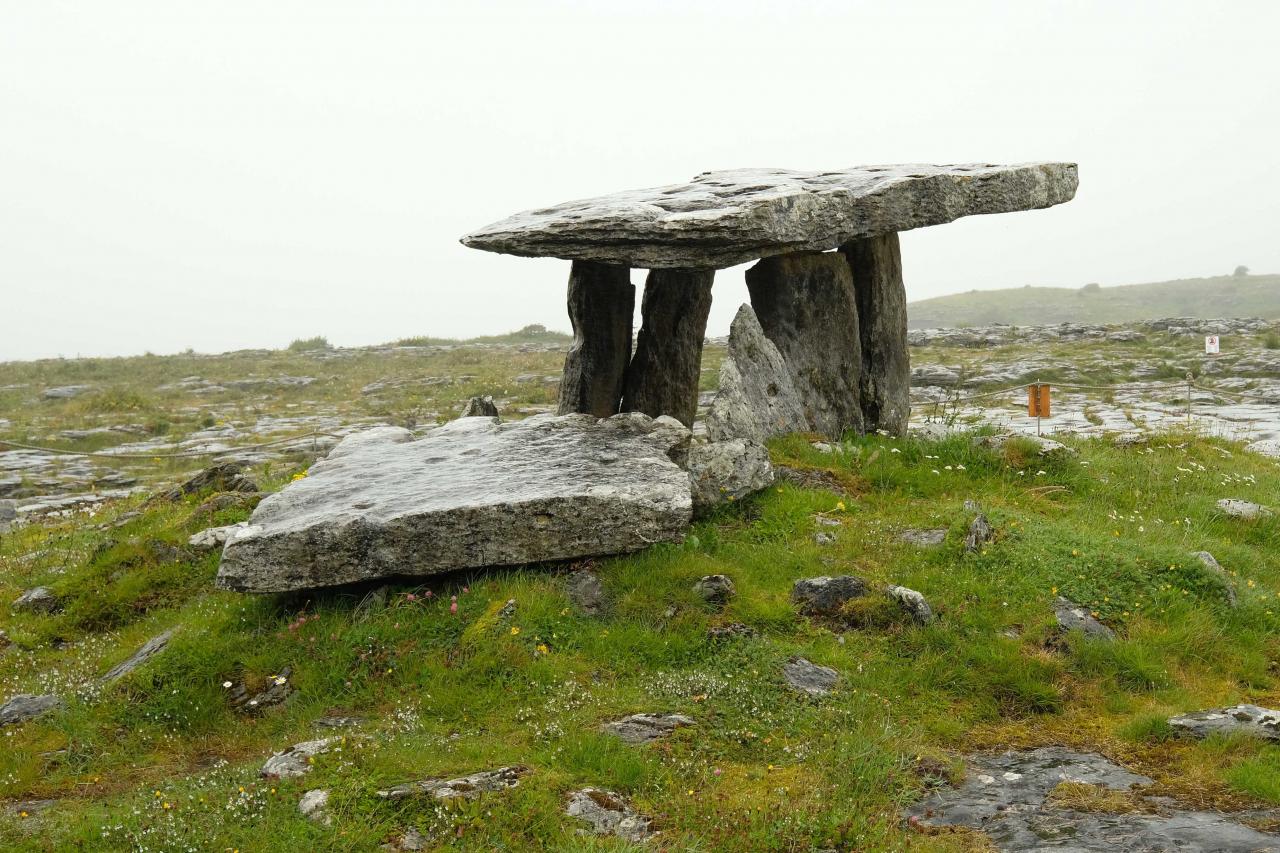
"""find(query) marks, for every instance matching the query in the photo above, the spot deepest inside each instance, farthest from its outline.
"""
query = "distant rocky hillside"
(1223, 296)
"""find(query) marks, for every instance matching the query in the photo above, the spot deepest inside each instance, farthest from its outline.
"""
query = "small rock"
(466, 787)
(508, 610)
(807, 677)
(980, 533)
(586, 592)
(480, 407)
(924, 538)
(149, 649)
(1247, 719)
(824, 538)
(1073, 617)
(972, 506)
(715, 589)
(24, 707)
(222, 477)
(412, 841)
(296, 760)
(722, 471)
(1245, 510)
(1229, 588)
(731, 631)
(642, 728)
(913, 604)
(41, 599)
(228, 500)
(313, 805)
(373, 601)
(215, 537)
(65, 392)
(276, 692)
(608, 814)
(826, 596)
(1046, 447)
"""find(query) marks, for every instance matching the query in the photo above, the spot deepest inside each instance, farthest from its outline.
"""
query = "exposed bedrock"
(876, 264)
(601, 303)
(806, 306)
(662, 378)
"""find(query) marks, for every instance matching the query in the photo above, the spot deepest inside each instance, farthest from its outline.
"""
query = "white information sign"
(1211, 345)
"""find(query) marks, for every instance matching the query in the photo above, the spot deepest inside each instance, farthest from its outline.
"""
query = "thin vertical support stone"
(664, 372)
(602, 301)
(876, 264)
(807, 308)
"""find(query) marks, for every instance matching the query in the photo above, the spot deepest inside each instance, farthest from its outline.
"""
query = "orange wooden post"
(1038, 402)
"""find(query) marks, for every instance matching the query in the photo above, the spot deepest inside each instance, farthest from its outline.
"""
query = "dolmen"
(826, 286)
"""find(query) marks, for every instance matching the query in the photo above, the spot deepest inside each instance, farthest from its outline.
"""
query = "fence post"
(1188, 398)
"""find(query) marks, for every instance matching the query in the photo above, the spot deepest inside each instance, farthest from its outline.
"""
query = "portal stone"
(876, 263)
(601, 302)
(663, 376)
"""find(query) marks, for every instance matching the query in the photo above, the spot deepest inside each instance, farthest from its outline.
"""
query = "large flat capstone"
(724, 218)
(474, 492)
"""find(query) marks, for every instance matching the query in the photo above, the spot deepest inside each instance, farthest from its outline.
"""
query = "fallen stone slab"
(39, 599)
(466, 787)
(756, 398)
(25, 707)
(472, 493)
(809, 678)
(913, 603)
(213, 538)
(720, 219)
(1245, 510)
(1010, 798)
(924, 538)
(826, 596)
(721, 471)
(296, 760)
(642, 728)
(1239, 719)
(148, 650)
(607, 813)
(1073, 617)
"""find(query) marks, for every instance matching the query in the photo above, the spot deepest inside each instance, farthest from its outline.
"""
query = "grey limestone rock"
(715, 589)
(471, 493)
(1245, 510)
(913, 603)
(601, 302)
(642, 728)
(807, 677)
(214, 537)
(480, 407)
(662, 378)
(825, 596)
(756, 398)
(1073, 617)
(25, 706)
(1239, 719)
(222, 477)
(65, 392)
(296, 760)
(586, 592)
(148, 650)
(876, 263)
(806, 307)
(1211, 563)
(980, 533)
(931, 538)
(607, 813)
(722, 471)
(314, 804)
(730, 217)
(38, 599)
(466, 787)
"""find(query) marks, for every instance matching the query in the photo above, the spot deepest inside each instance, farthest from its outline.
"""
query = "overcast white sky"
(229, 174)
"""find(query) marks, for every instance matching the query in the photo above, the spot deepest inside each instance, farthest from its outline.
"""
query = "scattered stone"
(296, 760)
(373, 601)
(724, 218)
(1009, 798)
(1244, 510)
(807, 677)
(912, 603)
(824, 521)
(1228, 586)
(971, 505)
(642, 728)
(980, 533)
(824, 538)
(313, 805)
(337, 721)
(278, 690)
(733, 630)
(608, 813)
(480, 407)
(1045, 447)
(467, 787)
(222, 477)
(66, 392)
(508, 610)
(148, 650)
(586, 592)
(228, 500)
(826, 596)
(924, 538)
(215, 537)
(715, 589)
(469, 494)
(39, 599)
(1073, 617)
(25, 706)
(412, 841)
(810, 478)
(756, 398)
(1239, 719)
(722, 471)
(8, 514)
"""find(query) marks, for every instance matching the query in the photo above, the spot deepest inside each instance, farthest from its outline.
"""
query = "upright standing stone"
(664, 372)
(806, 306)
(601, 303)
(876, 263)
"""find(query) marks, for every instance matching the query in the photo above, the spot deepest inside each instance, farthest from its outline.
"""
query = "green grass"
(764, 769)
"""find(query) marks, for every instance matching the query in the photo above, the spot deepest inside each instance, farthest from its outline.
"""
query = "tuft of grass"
(319, 342)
